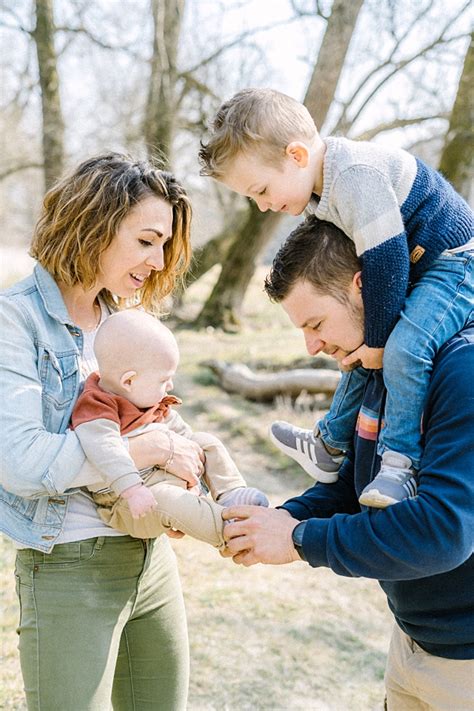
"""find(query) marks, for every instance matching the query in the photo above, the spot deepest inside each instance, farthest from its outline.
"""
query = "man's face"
(283, 188)
(329, 326)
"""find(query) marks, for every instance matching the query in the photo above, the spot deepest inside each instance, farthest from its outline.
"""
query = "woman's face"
(137, 248)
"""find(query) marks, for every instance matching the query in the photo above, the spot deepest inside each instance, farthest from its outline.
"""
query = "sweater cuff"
(376, 335)
(314, 542)
(125, 481)
(295, 509)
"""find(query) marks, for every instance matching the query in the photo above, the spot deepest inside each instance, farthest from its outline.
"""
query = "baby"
(137, 358)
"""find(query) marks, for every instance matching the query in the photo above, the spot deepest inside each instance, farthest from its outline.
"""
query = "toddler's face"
(286, 188)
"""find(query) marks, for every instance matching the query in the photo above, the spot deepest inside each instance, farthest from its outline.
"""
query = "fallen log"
(238, 378)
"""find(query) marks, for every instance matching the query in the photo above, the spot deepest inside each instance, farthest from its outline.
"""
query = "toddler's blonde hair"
(264, 120)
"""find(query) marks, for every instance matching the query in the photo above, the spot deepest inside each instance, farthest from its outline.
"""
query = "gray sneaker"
(308, 450)
(395, 482)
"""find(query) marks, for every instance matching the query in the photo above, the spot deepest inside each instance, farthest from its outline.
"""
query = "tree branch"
(398, 66)
(18, 168)
(238, 40)
(397, 123)
(100, 43)
(19, 25)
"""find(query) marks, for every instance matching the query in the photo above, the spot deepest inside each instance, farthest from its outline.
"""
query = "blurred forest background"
(146, 76)
(80, 77)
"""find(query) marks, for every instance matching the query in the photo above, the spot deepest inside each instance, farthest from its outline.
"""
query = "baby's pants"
(176, 507)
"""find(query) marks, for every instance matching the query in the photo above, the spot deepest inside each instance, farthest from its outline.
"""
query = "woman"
(101, 614)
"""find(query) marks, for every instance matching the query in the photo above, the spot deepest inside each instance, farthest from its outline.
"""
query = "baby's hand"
(140, 500)
(368, 357)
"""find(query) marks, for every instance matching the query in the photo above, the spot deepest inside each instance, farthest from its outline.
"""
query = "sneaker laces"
(396, 473)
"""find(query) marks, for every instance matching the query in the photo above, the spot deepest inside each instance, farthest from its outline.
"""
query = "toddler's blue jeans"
(440, 304)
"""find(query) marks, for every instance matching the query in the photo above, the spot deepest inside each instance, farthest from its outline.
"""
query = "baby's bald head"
(133, 341)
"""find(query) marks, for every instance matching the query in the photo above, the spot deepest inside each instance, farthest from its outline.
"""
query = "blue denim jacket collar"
(51, 296)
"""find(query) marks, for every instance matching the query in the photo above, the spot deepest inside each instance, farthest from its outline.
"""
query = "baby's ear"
(298, 152)
(126, 379)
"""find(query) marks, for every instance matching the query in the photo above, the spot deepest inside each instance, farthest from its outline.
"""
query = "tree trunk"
(160, 111)
(214, 250)
(53, 123)
(265, 387)
(222, 309)
(457, 159)
(332, 55)
(223, 306)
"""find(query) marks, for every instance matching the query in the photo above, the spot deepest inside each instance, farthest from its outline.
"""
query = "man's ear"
(298, 152)
(126, 379)
(357, 282)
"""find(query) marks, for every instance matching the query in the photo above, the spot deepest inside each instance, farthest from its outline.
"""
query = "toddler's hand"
(368, 357)
(140, 500)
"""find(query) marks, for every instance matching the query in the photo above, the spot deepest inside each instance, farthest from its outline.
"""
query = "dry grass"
(280, 638)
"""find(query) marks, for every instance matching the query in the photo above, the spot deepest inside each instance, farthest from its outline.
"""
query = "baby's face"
(151, 384)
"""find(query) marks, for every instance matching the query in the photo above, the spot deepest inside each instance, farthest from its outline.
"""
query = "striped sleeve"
(369, 212)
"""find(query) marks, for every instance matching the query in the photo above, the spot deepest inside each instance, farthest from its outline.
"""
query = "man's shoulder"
(452, 383)
(459, 346)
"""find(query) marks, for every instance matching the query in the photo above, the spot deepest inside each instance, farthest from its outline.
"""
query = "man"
(420, 549)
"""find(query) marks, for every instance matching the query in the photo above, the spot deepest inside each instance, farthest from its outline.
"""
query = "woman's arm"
(35, 462)
(182, 457)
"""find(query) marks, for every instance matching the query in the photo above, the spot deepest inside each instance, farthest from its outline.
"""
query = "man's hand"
(369, 357)
(140, 500)
(260, 535)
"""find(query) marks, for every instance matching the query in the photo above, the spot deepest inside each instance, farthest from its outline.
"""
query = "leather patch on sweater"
(416, 254)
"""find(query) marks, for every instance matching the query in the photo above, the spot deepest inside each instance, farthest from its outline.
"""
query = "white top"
(82, 520)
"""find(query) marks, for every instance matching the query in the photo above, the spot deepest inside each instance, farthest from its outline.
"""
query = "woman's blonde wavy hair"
(82, 213)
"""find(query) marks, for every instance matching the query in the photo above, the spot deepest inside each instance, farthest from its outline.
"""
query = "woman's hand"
(156, 447)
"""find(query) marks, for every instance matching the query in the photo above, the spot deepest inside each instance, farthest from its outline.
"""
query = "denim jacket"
(40, 351)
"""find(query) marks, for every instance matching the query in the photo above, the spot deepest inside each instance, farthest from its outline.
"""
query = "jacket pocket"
(59, 377)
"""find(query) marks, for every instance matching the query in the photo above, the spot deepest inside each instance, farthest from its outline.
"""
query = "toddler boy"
(414, 236)
(137, 358)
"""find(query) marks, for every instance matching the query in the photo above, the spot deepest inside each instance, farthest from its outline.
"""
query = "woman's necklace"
(87, 322)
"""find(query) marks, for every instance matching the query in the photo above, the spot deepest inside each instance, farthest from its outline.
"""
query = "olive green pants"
(103, 625)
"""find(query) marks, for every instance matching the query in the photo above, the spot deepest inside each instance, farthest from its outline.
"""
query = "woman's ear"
(126, 379)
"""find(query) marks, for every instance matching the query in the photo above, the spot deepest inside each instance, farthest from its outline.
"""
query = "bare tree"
(53, 123)
(457, 158)
(160, 111)
(224, 304)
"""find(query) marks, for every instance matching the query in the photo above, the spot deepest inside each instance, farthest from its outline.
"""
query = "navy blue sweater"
(401, 215)
(420, 550)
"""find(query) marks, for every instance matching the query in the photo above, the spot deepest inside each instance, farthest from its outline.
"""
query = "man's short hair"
(264, 120)
(317, 252)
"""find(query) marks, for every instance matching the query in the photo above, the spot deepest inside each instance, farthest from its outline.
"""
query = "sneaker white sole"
(314, 471)
(376, 500)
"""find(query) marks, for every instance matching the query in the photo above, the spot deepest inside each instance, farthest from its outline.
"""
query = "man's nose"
(156, 259)
(314, 345)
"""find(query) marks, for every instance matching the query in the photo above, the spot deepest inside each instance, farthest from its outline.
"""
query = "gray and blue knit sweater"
(401, 215)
